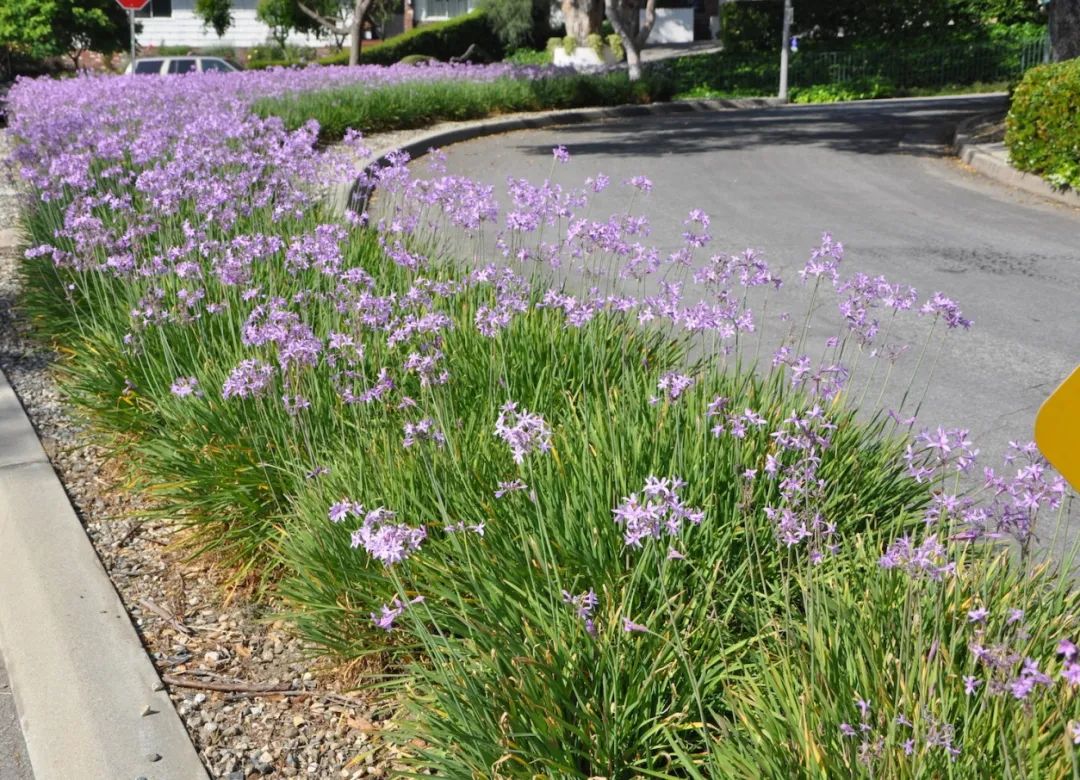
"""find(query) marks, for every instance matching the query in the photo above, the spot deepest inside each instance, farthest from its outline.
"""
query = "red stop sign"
(133, 5)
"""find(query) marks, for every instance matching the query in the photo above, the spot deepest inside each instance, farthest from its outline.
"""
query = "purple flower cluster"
(662, 511)
(584, 604)
(799, 444)
(384, 540)
(388, 613)
(524, 431)
(425, 430)
(930, 559)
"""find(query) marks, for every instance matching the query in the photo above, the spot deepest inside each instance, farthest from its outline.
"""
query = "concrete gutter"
(355, 194)
(992, 160)
(90, 702)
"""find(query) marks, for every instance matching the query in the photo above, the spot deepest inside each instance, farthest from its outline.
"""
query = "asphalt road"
(877, 175)
(14, 763)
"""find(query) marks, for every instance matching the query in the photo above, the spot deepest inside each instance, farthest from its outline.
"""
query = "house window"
(155, 8)
(437, 9)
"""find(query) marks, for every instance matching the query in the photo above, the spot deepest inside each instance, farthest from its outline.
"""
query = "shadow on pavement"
(914, 127)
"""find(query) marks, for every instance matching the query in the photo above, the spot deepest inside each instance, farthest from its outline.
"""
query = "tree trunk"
(354, 41)
(582, 18)
(632, 29)
(1064, 29)
(356, 29)
(633, 63)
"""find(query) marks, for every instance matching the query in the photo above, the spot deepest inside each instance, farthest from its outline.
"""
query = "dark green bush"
(751, 26)
(441, 40)
(732, 74)
(1042, 130)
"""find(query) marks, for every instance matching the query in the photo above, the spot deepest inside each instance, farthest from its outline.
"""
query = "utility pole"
(785, 46)
(131, 24)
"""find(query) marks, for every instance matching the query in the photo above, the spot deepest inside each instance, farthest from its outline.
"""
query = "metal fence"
(961, 64)
(958, 64)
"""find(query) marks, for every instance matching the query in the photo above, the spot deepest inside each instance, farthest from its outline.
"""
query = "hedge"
(1041, 130)
(441, 40)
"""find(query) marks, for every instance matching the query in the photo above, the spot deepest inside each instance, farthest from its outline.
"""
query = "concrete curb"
(982, 157)
(90, 702)
(343, 195)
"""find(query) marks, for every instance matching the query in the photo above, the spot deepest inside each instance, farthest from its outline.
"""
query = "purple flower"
(970, 684)
(523, 431)
(248, 379)
(978, 615)
(185, 386)
(389, 613)
(946, 309)
(584, 604)
(342, 509)
(824, 260)
(847, 730)
(674, 384)
(1067, 649)
(423, 430)
(662, 512)
(630, 627)
(510, 487)
(560, 154)
(384, 540)
(461, 527)
(928, 559)
(1074, 729)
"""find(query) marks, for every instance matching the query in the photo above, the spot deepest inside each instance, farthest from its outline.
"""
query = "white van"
(173, 65)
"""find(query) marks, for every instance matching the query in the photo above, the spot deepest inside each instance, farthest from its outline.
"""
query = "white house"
(174, 23)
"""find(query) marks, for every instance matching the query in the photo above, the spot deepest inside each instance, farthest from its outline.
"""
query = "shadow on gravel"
(922, 128)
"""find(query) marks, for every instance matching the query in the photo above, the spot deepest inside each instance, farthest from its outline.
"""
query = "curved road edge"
(992, 161)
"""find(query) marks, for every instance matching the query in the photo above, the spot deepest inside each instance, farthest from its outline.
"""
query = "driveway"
(877, 175)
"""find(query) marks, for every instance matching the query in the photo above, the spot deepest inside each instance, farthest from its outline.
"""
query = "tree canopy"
(48, 28)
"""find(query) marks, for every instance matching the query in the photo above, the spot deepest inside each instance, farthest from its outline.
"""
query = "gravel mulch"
(192, 627)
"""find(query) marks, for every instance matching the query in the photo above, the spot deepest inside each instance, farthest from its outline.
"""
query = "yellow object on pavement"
(1057, 429)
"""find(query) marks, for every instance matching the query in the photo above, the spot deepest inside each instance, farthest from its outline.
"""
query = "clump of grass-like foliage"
(596, 514)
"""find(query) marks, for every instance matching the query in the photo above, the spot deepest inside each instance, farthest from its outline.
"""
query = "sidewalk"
(991, 159)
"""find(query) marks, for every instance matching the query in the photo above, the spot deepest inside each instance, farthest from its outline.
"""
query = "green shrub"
(569, 44)
(596, 43)
(441, 40)
(1041, 130)
(418, 104)
(529, 57)
(857, 89)
(615, 42)
(417, 59)
(172, 51)
(225, 52)
(725, 73)
(266, 51)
